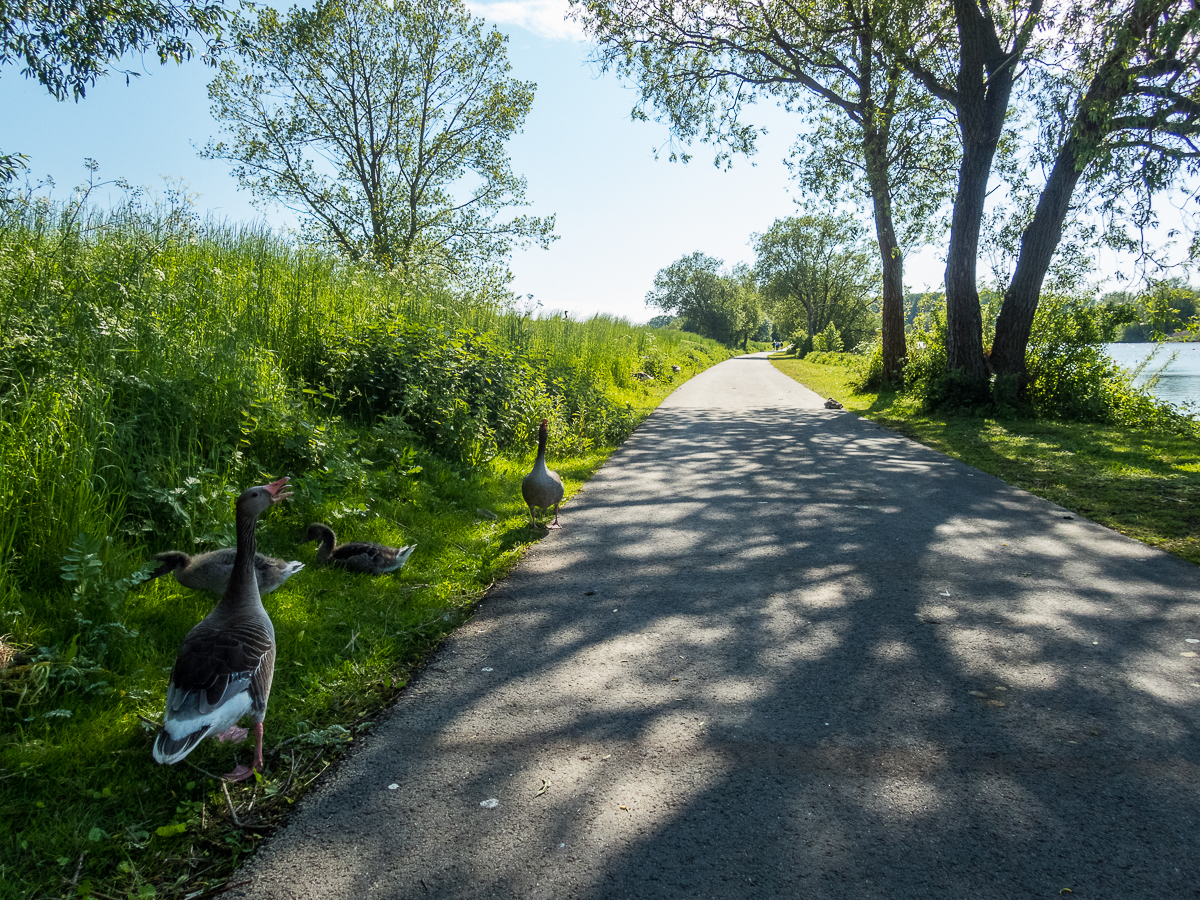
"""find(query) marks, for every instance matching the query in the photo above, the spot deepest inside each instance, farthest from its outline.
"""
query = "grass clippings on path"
(1142, 483)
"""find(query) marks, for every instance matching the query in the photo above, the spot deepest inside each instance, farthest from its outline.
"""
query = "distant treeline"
(1165, 310)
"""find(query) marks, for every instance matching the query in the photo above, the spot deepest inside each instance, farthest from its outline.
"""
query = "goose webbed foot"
(243, 773)
(554, 524)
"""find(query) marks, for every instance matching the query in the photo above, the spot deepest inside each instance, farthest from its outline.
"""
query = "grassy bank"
(151, 367)
(1144, 483)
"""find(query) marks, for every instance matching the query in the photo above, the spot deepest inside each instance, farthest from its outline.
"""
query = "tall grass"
(152, 365)
(148, 359)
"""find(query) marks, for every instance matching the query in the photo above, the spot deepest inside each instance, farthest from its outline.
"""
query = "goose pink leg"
(555, 524)
(241, 773)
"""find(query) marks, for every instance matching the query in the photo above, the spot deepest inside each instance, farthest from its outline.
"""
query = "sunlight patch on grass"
(1142, 483)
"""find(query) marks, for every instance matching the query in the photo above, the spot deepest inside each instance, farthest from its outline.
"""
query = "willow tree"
(701, 64)
(383, 126)
(66, 45)
(969, 55)
(1115, 86)
(1122, 123)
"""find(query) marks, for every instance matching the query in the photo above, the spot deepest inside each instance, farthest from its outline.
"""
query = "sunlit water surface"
(1179, 381)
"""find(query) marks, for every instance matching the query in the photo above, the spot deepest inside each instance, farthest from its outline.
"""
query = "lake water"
(1179, 383)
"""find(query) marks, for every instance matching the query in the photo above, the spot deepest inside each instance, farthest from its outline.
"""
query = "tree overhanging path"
(779, 651)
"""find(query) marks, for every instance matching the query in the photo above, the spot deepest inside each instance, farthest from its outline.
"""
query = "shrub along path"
(780, 651)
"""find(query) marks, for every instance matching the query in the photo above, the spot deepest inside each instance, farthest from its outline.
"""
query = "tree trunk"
(894, 347)
(1039, 241)
(1038, 244)
(876, 133)
(964, 321)
(984, 82)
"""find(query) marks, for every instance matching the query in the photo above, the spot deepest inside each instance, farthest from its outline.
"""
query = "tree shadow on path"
(788, 653)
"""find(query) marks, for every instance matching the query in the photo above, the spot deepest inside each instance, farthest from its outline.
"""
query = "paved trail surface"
(777, 651)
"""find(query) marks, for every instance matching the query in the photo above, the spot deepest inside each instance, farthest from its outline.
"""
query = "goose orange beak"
(275, 488)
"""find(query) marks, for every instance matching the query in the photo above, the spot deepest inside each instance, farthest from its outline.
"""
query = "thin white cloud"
(545, 18)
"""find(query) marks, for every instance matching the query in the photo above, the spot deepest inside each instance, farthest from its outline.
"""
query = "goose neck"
(328, 540)
(243, 582)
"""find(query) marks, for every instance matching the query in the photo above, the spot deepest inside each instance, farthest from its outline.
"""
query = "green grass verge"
(87, 813)
(1142, 483)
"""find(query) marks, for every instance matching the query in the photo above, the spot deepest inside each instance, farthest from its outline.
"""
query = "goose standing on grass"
(226, 662)
(357, 556)
(541, 487)
(210, 571)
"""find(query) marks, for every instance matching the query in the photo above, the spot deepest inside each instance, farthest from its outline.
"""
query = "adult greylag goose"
(224, 667)
(541, 487)
(356, 556)
(210, 571)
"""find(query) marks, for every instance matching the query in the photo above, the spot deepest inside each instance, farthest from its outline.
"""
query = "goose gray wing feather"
(363, 556)
(217, 661)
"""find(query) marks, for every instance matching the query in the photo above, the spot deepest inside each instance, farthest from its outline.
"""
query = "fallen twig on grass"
(75, 877)
(229, 800)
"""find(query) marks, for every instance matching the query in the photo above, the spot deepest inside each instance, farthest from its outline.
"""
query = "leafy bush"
(927, 359)
(152, 366)
(456, 389)
(150, 363)
(1073, 379)
(1070, 376)
(836, 358)
(828, 341)
(870, 370)
(654, 361)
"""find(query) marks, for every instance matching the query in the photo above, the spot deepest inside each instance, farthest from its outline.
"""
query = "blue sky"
(622, 214)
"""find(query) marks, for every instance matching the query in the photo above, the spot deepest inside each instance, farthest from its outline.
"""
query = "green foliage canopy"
(1165, 308)
(383, 126)
(1115, 93)
(714, 302)
(874, 130)
(817, 271)
(67, 44)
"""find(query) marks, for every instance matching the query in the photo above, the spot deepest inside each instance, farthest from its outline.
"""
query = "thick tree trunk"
(984, 82)
(876, 132)
(964, 321)
(894, 346)
(1038, 244)
(1041, 237)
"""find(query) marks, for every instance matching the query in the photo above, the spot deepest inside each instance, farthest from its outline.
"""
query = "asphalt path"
(778, 651)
